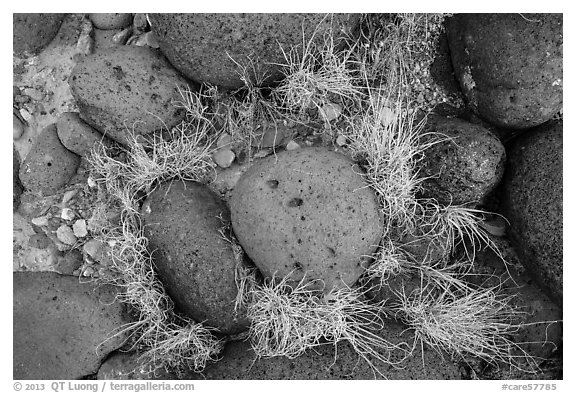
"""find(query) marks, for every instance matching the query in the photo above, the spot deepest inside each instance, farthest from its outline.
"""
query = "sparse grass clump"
(161, 336)
(288, 319)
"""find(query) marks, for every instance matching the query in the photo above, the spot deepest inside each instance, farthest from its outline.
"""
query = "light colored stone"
(224, 140)
(94, 249)
(79, 228)
(66, 235)
(330, 111)
(41, 221)
(224, 158)
(147, 39)
(341, 140)
(122, 36)
(292, 146)
(67, 214)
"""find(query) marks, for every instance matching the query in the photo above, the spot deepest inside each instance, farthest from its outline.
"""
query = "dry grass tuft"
(163, 337)
(287, 320)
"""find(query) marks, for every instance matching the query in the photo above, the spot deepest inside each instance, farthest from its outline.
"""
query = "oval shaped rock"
(464, 168)
(532, 202)
(32, 32)
(306, 211)
(197, 266)
(126, 89)
(111, 21)
(76, 135)
(63, 329)
(48, 165)
(509, 65)
(206, 47)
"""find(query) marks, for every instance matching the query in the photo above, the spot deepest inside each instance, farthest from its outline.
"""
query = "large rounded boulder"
(509, 65)
(64, 329)
(185, 224)
(32, 32)
(210, 47)
(126, 89)
(306, 212)
(532, 202)
(48, 165)
(465, 165)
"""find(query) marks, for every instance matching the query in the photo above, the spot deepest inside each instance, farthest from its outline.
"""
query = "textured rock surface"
(306, 210)
(16, 185)
(324, 363)
(509, 65)
(464, 168)
(126, 366)
(76, 135)
(205, 47)
(61, 326)
(196, 265)
(111, 21)
(32, 32)
(124, 88)
(532, 202)
(49, 165)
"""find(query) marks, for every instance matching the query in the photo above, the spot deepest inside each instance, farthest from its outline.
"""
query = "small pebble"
(68, 195)
(85, 44)
(88, 271)
(262, 153)
(292, 146)
(140, 23)
(224, 158)
(18, 128)
(147, 39)
(224, 140)
(91, 182)
(40, 221)
(341, 140)
(35, 94)
(122, 36)
(67, 214)
(79, 228)
(387, 116)
(330, 111)
(65, 234)
(25, 115)
(93, 248)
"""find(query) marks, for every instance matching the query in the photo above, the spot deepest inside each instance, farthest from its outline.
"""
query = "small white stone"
(387, 116)
(67, 214)
(147, 39)
(292, 146)
(341, 140)
(65, 234)
(330, 111)
(25, 115)
(79, 228)
(263, 153)
(68, 195)
(88, 271)
(224, 158)
(93, 248)
(91, 182)
(18, 128)
(41, 221)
